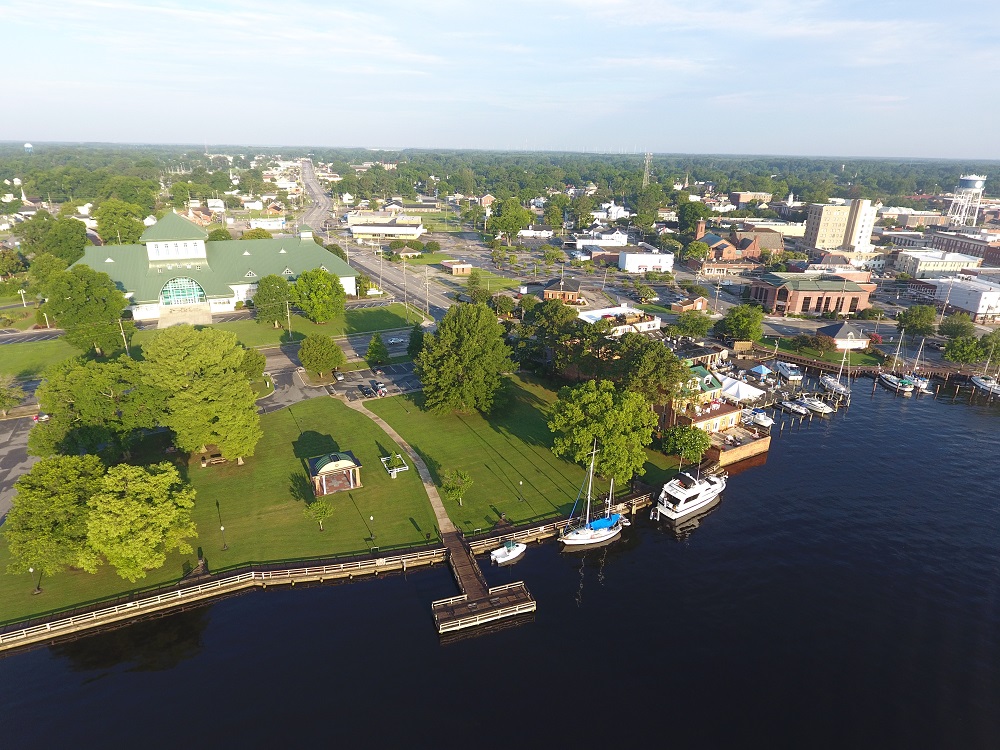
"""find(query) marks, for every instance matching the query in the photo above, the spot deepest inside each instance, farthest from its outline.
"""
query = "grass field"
(261, 504)
(28, 361)
(856, 358)
(427, 259)
(508, 456)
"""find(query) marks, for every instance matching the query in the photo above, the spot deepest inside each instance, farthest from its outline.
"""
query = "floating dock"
(478, 604)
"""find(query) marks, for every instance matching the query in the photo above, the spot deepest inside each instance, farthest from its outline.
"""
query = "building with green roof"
(177, 273)
(810, 294)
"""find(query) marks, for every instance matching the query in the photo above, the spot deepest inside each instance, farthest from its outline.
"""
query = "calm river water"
(845, 594)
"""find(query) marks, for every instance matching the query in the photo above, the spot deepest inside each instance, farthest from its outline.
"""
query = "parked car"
(40, 417)
(380, 388)
(367, 392)
(338, 376)
(395, 341)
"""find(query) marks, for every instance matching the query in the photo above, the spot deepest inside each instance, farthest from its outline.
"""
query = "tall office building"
(841, 227)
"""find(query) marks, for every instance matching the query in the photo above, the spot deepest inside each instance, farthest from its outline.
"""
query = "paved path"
(444, 523)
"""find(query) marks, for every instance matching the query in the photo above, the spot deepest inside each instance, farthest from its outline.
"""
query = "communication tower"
(964, 209)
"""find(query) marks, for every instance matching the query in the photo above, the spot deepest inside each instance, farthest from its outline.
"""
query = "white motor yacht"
(758, 417)
(685, 494)
(814, 404)
(986, 384)
(789, 372)
(794, 408)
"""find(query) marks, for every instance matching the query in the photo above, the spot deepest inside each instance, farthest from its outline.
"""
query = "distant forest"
(80, 173)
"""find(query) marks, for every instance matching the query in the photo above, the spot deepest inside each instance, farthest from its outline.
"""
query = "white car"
(395, 341)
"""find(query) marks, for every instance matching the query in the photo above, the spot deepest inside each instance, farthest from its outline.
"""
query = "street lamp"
(21, 292)
(38, 586)
(224, 545)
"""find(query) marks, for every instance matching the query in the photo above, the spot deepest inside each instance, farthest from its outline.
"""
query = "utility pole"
(405, 306)
(607, 268)
(288, 315)
(427, 290)
(120, 328)
(646, 169)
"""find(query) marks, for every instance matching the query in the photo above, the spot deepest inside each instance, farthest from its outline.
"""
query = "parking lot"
(397, 379)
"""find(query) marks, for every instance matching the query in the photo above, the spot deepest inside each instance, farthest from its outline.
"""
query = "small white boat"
(758, 417)
(789, 372)
(685, 494)
(986, 384)
(814, 404)
(833, 385)
(894, 383)
(794, 408)
(510, 551)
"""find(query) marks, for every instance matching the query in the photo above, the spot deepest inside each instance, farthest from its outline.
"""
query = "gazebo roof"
(333, 462)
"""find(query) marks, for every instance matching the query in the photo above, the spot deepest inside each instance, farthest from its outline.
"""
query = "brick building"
(803, 294)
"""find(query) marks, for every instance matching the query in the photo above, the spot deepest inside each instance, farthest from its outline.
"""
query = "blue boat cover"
(604, 523)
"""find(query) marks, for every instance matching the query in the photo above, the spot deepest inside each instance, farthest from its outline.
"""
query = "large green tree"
(692, 323)
(319, 294)
(209, 400)
(686, 442)
(256, 234)
(620, 420)
(416, 342)
(649, 368)
(743, 323)
(88, 306)
(271, 299)
(46, 529)
(696, 250)
(119, 222)
(95, 407)
(462, 364)
(138, 515)
(319, 353)
(11, 393)
(917, 320)
(957, 325)
(509, 220)
(219, 235)
(378, 352)
(63, 237)
(966, 350)
(689, 214)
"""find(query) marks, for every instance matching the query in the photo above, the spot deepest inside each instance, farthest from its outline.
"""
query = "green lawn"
(856, 358)
(508, 456)
(261, 505)
(251, 333)
(427, 259)
(29, 360)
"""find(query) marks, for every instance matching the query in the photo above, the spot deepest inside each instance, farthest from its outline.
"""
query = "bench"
(212, 460)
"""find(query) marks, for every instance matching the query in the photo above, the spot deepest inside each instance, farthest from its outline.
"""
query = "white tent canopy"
(738, 391)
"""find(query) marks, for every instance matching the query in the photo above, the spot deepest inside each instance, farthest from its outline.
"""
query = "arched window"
(182, 291)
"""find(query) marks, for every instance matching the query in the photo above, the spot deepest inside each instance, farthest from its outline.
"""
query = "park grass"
(250, 333)
(508, 455)
(427, 259)
(261, 505)
(261, 387)
(29, 360)
(856, 358)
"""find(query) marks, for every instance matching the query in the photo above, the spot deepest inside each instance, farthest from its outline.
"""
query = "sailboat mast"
(611, 494)
(895, 359)
(842, 361)
(590, 481)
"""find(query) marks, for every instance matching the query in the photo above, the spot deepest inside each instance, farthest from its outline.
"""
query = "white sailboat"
(984, 382)
(894, 382)
(814, 404)
(832, 384)
(922, 384)
(587, 531)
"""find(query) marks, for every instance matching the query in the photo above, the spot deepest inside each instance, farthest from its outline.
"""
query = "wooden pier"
(478, 604)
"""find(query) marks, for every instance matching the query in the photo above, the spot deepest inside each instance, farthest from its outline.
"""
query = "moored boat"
(684, 495)
(814, 404)
(587, 531)
(758, 417)
(832, 385)
(986, 384)
(794, 408)
(895, 383)
(507, 554)
(789, 371)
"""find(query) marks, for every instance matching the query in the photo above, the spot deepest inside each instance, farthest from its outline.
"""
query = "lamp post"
(224, 545)
(38, 586)
(23, 303)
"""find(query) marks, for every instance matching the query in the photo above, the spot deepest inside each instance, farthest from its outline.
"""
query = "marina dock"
(478, 604)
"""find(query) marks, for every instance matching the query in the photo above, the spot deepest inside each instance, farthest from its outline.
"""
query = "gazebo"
(847, 336)
(334, 472)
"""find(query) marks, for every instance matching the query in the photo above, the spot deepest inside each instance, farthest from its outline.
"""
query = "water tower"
(27, 148)
(964, 209)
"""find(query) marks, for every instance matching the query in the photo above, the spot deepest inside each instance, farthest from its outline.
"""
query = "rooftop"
(173, 227)
(800, 283)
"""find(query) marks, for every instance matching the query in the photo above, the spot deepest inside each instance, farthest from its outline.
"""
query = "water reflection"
(682, 528)
(147, 646)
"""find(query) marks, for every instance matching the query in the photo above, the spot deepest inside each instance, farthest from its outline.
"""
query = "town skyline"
(783, 78)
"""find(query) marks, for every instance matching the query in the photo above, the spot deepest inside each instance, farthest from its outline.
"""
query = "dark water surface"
(845, 594)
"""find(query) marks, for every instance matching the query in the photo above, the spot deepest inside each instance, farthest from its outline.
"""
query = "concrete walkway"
(444, 523)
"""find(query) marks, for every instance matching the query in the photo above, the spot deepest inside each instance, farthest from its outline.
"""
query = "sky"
(814, 77)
